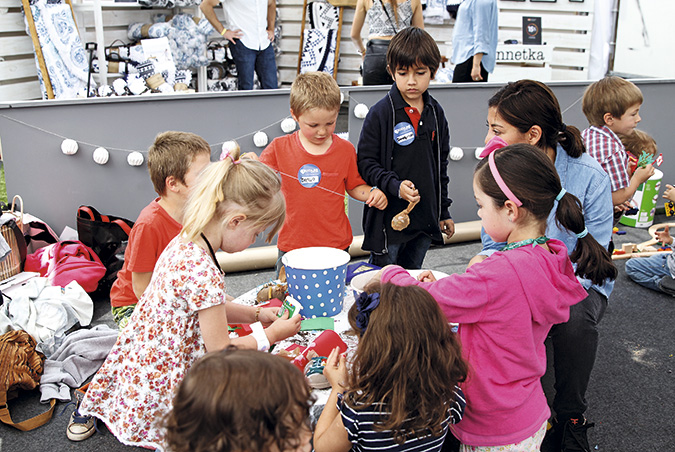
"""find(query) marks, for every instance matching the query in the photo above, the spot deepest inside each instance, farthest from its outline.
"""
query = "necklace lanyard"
(534, 242)
(213, 255)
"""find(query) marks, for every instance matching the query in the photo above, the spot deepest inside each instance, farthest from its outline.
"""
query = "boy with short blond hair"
(612, 107)
(316, 168)
(174, 161)
(403, 149)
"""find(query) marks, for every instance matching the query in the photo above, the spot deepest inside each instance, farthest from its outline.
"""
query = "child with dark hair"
(403, 150)
(401, 392)
(527, 111)
(240, 400)
(506, 305)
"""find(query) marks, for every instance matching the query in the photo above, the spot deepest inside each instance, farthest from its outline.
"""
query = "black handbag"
(108, 236)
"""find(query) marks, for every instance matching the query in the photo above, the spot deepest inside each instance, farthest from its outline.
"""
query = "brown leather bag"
(21, 367)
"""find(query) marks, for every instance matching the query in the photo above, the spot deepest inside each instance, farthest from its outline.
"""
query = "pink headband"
(502, 185)
(492, 145)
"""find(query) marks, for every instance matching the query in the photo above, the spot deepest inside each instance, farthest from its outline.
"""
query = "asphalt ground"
(630, 396)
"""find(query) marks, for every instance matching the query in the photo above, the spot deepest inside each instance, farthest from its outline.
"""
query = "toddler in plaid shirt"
(612, 107)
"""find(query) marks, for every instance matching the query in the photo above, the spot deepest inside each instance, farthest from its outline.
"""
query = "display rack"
(96, 7)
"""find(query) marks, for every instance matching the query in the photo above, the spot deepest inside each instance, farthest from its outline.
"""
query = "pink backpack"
(66, 261)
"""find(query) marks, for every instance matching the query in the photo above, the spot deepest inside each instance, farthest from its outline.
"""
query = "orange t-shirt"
(314, 187)
(151, 233)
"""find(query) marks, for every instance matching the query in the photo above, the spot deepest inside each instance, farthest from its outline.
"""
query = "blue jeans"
(409, 255)
(248, 61)
(575, 345)
(648, 271)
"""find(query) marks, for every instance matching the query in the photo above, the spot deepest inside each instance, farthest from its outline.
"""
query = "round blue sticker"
(309, 175)
(404, 133)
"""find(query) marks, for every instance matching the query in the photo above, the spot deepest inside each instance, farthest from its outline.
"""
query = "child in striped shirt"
(400, 393)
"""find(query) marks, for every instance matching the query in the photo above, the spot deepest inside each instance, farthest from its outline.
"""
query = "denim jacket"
(584, 178)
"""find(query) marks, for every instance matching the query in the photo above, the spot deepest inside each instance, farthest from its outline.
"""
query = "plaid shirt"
(604, 146)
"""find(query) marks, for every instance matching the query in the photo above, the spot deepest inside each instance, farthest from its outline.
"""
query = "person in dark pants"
(527, 111)
(250, 34)
(474, 40)
(385, 18)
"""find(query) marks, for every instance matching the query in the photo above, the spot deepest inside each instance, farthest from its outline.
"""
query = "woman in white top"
(385, 18)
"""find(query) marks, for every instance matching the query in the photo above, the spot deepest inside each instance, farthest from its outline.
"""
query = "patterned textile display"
(322, 15)
(168, 3)
(318, 51)
(64, 55)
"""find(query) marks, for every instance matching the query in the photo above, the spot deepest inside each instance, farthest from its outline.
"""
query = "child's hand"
(377, 199)
(448, 227)
(336, 369)
(669, 194)
(628, 205)
(268, 316)
(426, 276)
(664, 236)
(408, 192)
(284, 327)
(644, 173)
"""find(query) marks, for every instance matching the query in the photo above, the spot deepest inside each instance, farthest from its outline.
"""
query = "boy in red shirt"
(316, 168)
(174, 161)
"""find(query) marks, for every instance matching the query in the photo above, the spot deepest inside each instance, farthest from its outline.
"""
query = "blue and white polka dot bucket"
(316, 278)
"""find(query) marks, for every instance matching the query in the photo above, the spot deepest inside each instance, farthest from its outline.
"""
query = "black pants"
(462, 72)
(375, 63)
(575, 344)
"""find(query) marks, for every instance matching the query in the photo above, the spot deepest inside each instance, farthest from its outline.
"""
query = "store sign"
(510, 53)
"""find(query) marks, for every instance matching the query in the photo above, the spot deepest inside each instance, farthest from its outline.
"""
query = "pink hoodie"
(505, 306)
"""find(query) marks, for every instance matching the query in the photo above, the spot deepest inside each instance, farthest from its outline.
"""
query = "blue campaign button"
(404, 133)
(309, 175)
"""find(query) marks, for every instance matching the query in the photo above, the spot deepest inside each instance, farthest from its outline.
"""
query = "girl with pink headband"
(506, 305)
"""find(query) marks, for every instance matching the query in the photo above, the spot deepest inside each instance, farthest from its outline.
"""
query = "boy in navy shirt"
(403, 150)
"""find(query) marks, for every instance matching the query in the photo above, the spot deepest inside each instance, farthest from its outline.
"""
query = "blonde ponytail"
(250, 186)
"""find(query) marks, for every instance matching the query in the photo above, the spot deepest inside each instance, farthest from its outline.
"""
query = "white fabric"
(47, 312)
(64, 55)
(318, 51)
(601, 39)
(249, 16)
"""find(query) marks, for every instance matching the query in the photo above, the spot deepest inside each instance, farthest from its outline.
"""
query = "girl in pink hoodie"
(506, 304)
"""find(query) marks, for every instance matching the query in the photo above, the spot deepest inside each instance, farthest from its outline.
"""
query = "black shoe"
(667, 285)
(553, 438)
(574, 435)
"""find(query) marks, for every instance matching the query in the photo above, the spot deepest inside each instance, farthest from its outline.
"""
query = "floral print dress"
(134, 389)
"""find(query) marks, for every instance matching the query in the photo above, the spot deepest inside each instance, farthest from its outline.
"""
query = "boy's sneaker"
(667, 285)
(575, 436)
(80, 427)
(314, 373)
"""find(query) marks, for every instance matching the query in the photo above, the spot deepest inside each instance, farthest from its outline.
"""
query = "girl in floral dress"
(184, 311)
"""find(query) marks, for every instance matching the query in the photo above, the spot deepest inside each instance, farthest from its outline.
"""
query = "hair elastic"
(227, 154)
(563, 128)
(561, 194)
(582, 234)
(498, 178)
(365, 304)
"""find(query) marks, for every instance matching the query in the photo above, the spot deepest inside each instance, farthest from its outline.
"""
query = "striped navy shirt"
(363, 436)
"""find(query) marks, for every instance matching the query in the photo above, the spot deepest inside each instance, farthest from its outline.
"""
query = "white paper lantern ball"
(288, 125)
(135, 158)
(478, 152)
(105, 91)
(456, 153)
(119, 86)
(69, 147)
(228, 147)
(101, 156)
(360, 111)
(136, 85)
(260, 139)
